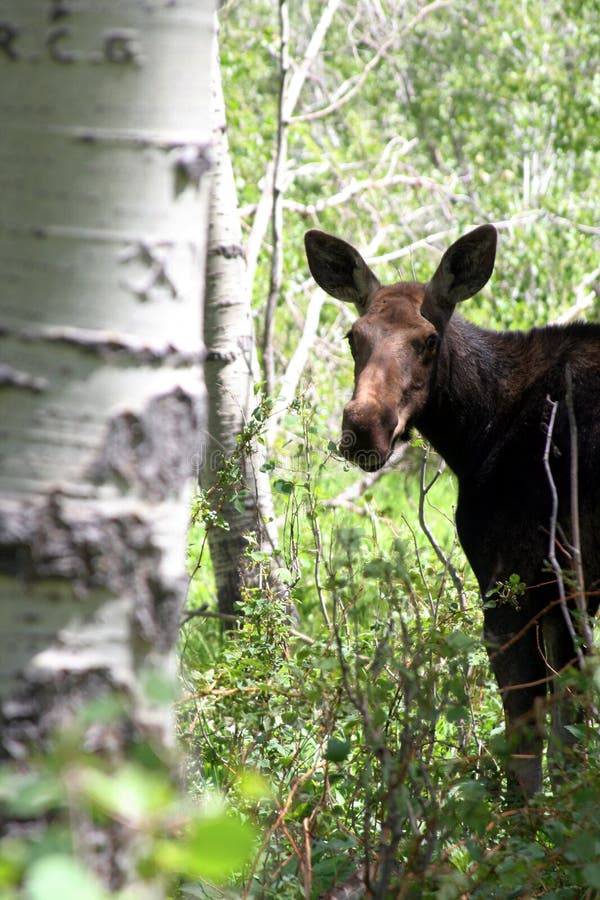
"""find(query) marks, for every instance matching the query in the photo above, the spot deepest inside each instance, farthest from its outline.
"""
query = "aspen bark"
(231, 368)
(103, 158)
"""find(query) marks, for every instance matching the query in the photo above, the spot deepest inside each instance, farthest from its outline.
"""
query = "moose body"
(484, 400)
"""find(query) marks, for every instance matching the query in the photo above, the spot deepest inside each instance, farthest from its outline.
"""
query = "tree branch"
(553, 523)
(296, 83)
(371, 64)
(580, 600)
(583, 297)
(314, 45)
(277, 208)
(355, 187)
(355, 490)
(445, 561)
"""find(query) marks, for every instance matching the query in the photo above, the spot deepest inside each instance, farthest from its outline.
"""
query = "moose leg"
(565, 710)
(521, 675)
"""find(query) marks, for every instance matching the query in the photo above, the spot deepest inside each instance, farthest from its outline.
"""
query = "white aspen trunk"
(104, 111)
(230, 372)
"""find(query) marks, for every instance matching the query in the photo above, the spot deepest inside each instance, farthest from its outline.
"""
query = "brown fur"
(482, 399)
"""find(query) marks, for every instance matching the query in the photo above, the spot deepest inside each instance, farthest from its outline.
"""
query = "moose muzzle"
(368, 432)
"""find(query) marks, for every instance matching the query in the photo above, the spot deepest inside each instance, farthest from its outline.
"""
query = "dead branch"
(445, 561)
(293, 373)
(430, 240)
(260, 223)
(553, 524)
(355, 187)
(358, 488)
(277, 208)
(314, 45)
(316, 531)
(343, 98)
(580, 598)
(585, 293)
(203, 612)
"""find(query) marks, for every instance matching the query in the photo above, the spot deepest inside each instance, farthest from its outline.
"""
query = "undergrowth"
(365, 738)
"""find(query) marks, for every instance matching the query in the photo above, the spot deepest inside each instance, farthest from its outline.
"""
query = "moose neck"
(471, 391)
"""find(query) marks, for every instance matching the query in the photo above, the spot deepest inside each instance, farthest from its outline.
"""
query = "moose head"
(395, 340)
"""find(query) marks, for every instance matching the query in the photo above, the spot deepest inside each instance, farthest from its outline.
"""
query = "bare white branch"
(372, 64)
(556, 568)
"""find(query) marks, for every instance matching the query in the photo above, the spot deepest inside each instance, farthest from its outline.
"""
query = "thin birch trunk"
(230, 370)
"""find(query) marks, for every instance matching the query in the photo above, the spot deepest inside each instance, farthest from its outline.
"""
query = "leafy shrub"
(375, 730)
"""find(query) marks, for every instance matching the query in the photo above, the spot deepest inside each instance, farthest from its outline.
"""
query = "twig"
(516, 637)
(562, 220)
(307, 866)
(430, 239)
(553, 521)
(260, 223)
(585, 294)
(354, 187)
(205, 613)
(293, 373)
(314, 45)
(580, 599)
(296, 786)
(277, 207)
(355, 490)
(315, 528)
(371, 64)
(445, 561)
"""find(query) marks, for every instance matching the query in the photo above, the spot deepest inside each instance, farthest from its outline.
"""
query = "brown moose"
(483, 400)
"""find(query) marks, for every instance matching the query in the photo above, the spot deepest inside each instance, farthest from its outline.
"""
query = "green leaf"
(132, 793)
(30, 795)
(284, 575)
(591, 874)
(214, 848)
(282, 486)
(60, 877)
(337, 750)
(456, 712)
(583, 846)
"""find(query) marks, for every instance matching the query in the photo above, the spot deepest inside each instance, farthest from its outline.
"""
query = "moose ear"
(340, 269)
(464, 269)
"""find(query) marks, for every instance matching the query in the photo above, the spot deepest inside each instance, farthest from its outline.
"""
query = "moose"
(502, 409)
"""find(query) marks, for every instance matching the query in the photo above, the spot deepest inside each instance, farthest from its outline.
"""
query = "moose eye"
(431, 343)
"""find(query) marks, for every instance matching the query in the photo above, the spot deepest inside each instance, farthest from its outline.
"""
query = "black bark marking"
(155, 258)
(53, 41)
(116, 349)
(151, 452)
(225, 356)
(192, 162)
(59, 10)
(123, 48)
(228, 251)
(14, 378)
(8, 36)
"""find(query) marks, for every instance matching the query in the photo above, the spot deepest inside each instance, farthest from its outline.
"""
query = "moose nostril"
(367, 434)
(356, 418)
(347, 441)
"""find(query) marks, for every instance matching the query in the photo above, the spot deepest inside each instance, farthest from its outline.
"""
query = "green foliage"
(62, 877)
(370, 727)
(476, 112)
(510, 592)
(371, 731)
(175, 842)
